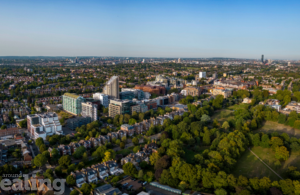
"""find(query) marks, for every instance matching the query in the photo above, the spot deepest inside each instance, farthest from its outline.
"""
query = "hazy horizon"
(156, 29)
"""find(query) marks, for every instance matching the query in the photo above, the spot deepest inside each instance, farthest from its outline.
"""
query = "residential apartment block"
(89, 110)
(72, 103)
(102, 97)
(112, 87)
(41, 125)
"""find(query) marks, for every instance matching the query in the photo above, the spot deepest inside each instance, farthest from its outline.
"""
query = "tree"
(64, 161)
(86, 189)
(71, 180)
(74, 192)
(43, 148)
(132, 121)
(225, 125)
(265, 141)
(85, 158)
(135, 141)
(71, 168)
(206, 137)
(141, 174)
(40, 160)
(23, 123)
(163, 162)
(275, 142)
(122, 145)
(107, 156)
(39, 141)
(79, 152)
(205, 118)
(136, 149)
(175, 148)
(282, 153)
(256, 139)
(129, 169)
(220, 191)
(154, 157)
(55, 155)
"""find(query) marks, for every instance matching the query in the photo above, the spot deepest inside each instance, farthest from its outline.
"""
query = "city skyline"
(168, 29)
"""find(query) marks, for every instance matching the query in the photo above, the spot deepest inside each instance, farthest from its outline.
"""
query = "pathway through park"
(265, 164)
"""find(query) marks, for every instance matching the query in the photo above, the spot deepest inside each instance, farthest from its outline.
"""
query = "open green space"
(223, 115)
(248, 165)
(237, 106)
(270, 126)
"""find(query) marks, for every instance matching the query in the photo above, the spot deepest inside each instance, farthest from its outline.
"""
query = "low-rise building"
(79, 177)
(226, 93)
(42, 125)
(107, 189)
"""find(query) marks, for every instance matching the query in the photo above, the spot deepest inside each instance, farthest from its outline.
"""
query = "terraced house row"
(95, 172)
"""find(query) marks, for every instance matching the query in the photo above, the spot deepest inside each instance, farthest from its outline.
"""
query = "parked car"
(145, 183)
(129, 187)
(125, 184)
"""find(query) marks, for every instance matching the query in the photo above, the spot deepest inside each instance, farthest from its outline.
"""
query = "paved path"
(32, 151)
(265, 164)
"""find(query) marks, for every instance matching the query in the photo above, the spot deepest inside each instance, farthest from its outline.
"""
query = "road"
(265, 163)
(32, 151)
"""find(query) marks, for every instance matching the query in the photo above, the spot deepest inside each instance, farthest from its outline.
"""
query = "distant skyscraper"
(179, 60)
(112, 87)
(262, 58)
(143, 61)
(202, 74)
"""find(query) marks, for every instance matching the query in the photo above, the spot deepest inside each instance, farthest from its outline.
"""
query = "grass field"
(223, 115)
(237, 106)
(249, 166)
(270, 127)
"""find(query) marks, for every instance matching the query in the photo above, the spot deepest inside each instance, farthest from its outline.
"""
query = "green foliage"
(129, 169)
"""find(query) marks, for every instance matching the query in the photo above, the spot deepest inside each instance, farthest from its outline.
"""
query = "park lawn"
(249, 166)
(223, 115)
(237, 106)
(270, 126)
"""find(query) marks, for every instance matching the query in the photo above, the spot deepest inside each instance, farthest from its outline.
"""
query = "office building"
(158, 90)
(179, 60)
(112, 87)
(73, 123)
(42, 125)
(72, 103)
(119, 107)
(139, 94)
(103, 98)
(127, 95)
(202, 75)
(262, 58)
(89, 110)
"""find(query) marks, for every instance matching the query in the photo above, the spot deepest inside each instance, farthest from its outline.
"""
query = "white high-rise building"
(179, 60)
(202, 74)
(112, 87)
(41, 125)
(89, 110)
(102, 97)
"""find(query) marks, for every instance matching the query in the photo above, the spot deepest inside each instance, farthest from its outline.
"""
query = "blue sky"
(187, 28)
